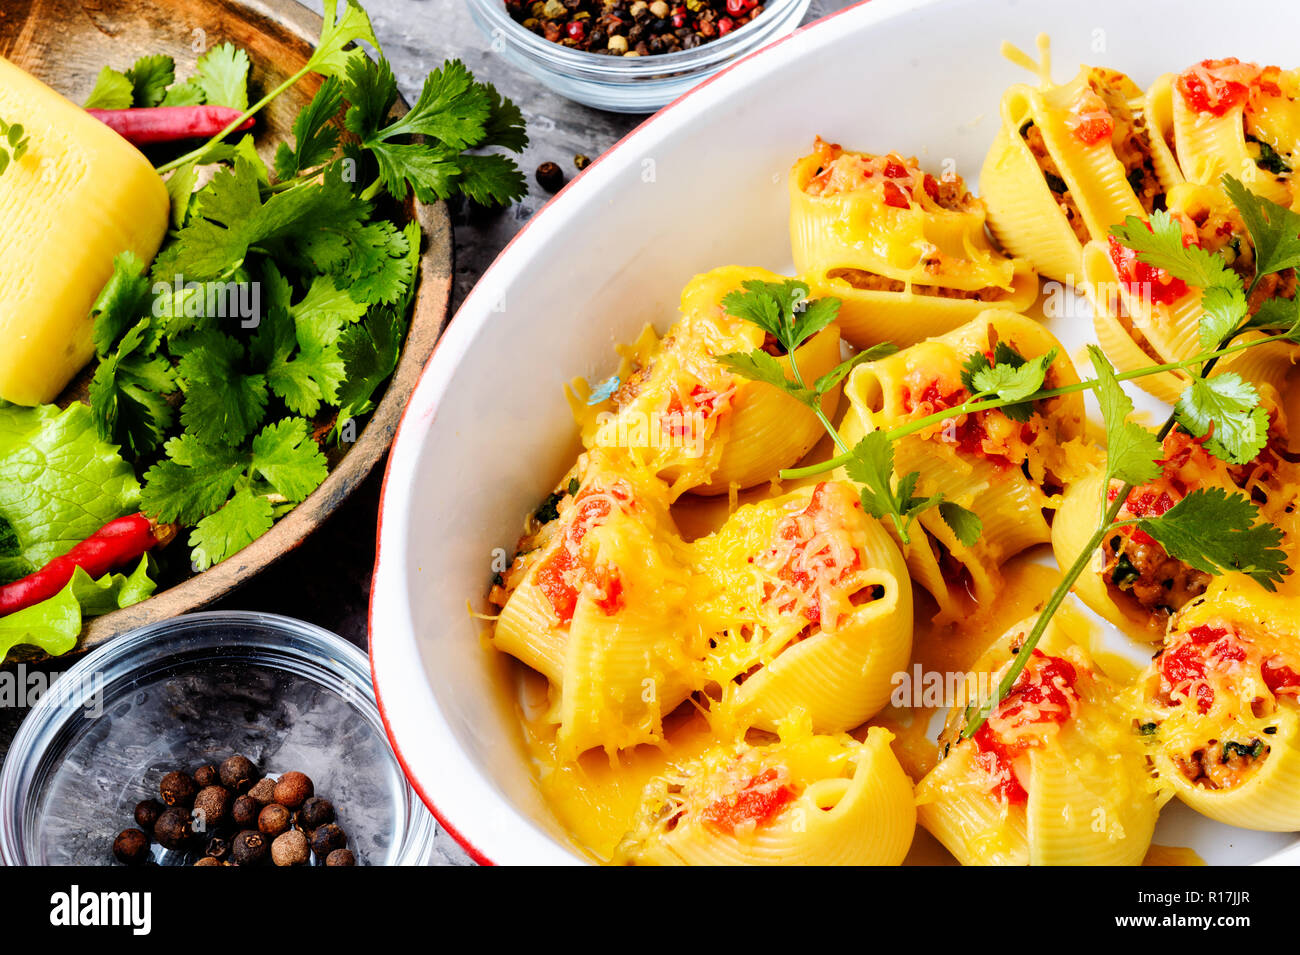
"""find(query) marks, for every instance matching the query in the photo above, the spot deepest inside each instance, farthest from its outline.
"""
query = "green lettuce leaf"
(59, 483)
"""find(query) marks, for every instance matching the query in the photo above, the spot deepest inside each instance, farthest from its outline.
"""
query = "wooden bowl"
(65, 43)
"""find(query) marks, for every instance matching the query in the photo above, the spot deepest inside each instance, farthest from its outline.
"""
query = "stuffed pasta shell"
(1069, 162)
(1007, 471)
(1145, 316)
(1054, 776)
(808, 800)
(597, 600)
(1132, 582)
(689, 419)
(810, 607)
(1220, 709)
(905, 252)
(1240, 119)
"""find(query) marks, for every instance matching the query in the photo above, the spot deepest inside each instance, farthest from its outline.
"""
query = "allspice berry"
(147, 813)
(293, 789)
(218, 848)
(273, 819)
(131, 847)
(263, 790)
(249, 848)
(341, 857)
(244, 812)
(550, 177)
(206, 776)
(211, 806)
(178, 789)
(326, 839)
(238, 774)
(290, 848)
(208, 860)
(173, 829)
(315, 812)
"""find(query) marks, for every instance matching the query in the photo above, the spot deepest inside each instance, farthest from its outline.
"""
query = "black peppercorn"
(131, 847)
(315, 812)
(273, 820)
(341, 857)
(211, 806)
(206, 776)
(238, 774)
(249, 848)
(173, 829)
(326, 839)
(550, 177)
(178, 789)
(293, 789)
(147, 813)
(244, 812)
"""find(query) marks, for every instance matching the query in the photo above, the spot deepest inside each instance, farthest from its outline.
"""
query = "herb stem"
(1209, 359)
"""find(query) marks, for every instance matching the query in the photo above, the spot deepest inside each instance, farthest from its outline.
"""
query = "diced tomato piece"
(1146, 281)
(896, 197)
(1215, 86)
(759, 802)
(1043, 693)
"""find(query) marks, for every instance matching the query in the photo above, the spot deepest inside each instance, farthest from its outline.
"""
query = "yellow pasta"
(811, 608)
(1069, 162)
(1220, 708)
(691, 420)
(599, 605)
(1056, 775)
(1238, 119)
(805, 800)
(986, 462)
(905, 253)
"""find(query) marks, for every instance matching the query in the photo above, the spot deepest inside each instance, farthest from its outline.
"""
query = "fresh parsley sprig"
(13, 144)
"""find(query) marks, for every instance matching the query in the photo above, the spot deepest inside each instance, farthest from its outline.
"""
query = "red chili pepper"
(114, 545)
(165, 124)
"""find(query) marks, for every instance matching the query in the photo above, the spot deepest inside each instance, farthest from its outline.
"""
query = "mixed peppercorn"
(640, 28)
(233, 815)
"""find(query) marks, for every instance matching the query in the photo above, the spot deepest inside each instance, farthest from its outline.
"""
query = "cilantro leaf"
(964, 522)
(222, 402)
(1132, 451)
(242, 520)
(1278, 315)
(120, 302)
(872, 466)
(369, 352)
(1216, 532)
(113, 90)
(189, 93)
(491, 178)
(315, 136)
(505, 123)
(1159, 242)
(782, 310)
(758, 365)
(150, 77)
(1224, 308)
(222, 73)
(1274, 229)
(193, 481)
(1014, 382)
(1225, 408)
(290, 461)
(330, 58)
(127, 393)
(451, 108)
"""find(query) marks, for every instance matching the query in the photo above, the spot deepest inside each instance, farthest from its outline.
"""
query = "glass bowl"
(628, 84)
(194, 690)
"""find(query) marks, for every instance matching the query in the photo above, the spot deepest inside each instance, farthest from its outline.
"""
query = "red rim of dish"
(474, 852)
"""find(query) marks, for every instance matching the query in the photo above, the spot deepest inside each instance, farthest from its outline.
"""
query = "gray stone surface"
(327, 580)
